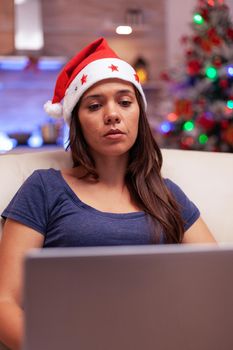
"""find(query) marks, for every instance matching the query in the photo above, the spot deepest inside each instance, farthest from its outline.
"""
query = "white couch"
(207, 178)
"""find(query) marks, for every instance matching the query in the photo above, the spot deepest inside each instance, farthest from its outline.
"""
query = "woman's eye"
(94, 107)
(125, 103)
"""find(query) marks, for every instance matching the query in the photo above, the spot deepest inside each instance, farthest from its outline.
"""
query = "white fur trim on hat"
(53, 109)
(94, 72)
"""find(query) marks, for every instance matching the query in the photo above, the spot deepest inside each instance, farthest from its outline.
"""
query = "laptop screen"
(147, 297)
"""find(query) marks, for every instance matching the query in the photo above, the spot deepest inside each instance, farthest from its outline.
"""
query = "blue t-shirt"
(46, 203)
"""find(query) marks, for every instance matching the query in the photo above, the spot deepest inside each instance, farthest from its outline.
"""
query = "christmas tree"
(200, 114)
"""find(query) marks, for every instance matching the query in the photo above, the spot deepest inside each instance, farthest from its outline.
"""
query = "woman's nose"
(111, 114)
(112, 118)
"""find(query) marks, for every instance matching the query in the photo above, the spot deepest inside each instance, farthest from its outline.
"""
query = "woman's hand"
(17, 239)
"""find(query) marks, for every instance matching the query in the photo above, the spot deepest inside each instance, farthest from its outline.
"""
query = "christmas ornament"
(193, 67)
(228, 135)
(206, 45)
(217, 62)
(183, 108)
(205, 122)
(230, 33)
(223, 83)
(197, 40)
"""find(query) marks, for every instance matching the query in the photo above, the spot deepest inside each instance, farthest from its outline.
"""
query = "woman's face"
(109, 115)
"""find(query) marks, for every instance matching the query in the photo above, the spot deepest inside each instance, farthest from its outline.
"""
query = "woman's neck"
(111, 170)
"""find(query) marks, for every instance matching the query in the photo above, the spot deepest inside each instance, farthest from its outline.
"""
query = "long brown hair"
(143, 177)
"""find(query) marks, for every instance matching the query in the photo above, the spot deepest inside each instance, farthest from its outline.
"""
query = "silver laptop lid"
(148, 297)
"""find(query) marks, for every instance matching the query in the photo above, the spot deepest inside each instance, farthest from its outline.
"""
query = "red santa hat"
(94, 63)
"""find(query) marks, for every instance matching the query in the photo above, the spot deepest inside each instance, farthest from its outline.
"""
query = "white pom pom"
(53, 109)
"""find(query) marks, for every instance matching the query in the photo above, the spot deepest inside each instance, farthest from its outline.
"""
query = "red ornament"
(205, 122)
(187, 142)
(193, 67)
(184, 108)
(216, 40)
(217, 62)
(206, 45)
(230, 33)
(228, 135)
(213, 36)
(224, 124)
(211, 32)
(205, 14)
(197, 40)
(223, 83)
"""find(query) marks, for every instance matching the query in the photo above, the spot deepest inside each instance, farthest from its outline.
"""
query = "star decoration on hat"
(84, 79)
(136, 77)
(113, 68)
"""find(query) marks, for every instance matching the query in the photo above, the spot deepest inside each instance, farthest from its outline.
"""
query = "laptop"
(172, 297)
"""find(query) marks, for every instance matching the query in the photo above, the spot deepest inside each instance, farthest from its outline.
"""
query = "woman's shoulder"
(45, 172)
(43, 178)
(176, 190)
(43, 175)
(171, 185)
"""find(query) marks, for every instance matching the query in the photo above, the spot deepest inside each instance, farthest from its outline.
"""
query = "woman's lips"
(114, 134)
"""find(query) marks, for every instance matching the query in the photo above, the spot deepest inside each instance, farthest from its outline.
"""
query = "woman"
(113, 195)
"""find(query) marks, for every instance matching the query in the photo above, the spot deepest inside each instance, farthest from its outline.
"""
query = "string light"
(230, 71)
(165, 127)
(203, 138)
(212, 2)
(230, 104)
(198, 19)
(211, 72)
(172, 117)
(188, 126)
(228, 111)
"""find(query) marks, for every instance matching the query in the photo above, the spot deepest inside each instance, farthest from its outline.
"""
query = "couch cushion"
(15, 168)
(206, 177)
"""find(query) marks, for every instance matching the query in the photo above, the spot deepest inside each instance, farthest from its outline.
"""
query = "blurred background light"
(51, 63)
(35, 140)
(13, 62)
(124, 30)
(188, 126)
(6, 143)
(165, 127)
(230, 71)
